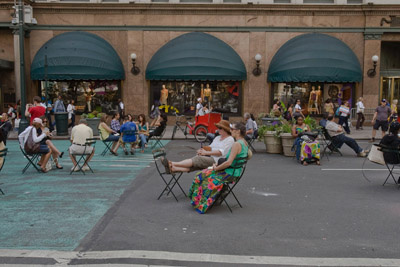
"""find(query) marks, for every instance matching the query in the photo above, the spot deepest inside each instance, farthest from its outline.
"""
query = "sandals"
(114, 153)
(58, 165)
(60, 156)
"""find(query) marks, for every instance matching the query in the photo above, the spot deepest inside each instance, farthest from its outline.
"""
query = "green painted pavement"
(56, 210)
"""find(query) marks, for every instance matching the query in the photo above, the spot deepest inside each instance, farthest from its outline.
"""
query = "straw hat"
(224, 124)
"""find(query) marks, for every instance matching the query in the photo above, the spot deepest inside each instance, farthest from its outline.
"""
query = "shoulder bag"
(30, 146)
(376, 156)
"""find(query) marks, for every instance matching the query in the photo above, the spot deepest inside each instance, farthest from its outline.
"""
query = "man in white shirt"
(360, 114)
(79, 134)
(199, 107)
(121, 108)
(339, 138)
(206, 156)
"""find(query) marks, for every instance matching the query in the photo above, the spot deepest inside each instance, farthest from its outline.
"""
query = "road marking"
(354, 169)
(126, 166)
(67, 256)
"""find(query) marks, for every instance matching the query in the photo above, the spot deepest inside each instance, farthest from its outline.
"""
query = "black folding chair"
(33, 159)
(392, 159)
(250, 142)
(108, 145)
(170, 179)
(329, 143)
(158, 139)
(3, 154)
(90, 142)
(239, 163)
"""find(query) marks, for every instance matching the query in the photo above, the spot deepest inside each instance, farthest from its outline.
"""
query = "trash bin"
(61, 123)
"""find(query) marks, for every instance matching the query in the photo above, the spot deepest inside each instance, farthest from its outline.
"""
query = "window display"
(314, 96)
(89, 96)
(182, 97)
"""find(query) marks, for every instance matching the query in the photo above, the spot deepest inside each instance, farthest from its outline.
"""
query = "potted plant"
(270, 119)
(271, 140)
(93, 120)
(285, 132)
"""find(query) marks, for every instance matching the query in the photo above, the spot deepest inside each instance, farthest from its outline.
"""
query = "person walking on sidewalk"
(59, 105)
(380, 119)
(71, 113)
(360, 114)
(344, 113)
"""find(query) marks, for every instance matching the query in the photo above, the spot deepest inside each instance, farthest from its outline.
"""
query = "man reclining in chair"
(339, 138)
(206, 156)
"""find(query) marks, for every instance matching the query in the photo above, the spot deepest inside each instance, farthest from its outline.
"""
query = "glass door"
(390, 88)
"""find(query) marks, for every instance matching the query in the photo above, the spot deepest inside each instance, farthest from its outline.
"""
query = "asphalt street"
(338, 210)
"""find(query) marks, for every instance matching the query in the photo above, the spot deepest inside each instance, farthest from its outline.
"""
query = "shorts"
(112, 137)
(44, 149)
(201, 162)
(383, 124)
(79, 150)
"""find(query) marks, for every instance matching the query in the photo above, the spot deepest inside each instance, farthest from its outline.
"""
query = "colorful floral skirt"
(206, 187)
(310, 151)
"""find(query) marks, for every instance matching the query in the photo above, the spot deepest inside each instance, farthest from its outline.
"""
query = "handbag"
(376, 156)
(30, 146)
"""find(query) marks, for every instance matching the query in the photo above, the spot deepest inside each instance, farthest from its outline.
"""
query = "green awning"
(77, 56)
(196, 56)
(314, 57)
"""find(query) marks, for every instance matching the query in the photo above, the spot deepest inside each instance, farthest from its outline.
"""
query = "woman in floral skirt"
(208, 183)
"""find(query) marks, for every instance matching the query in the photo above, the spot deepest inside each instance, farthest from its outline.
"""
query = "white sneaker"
(85, 168)
(362, 154)
(75, 168)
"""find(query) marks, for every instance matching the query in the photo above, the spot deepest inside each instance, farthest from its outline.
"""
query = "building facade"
(310, 50)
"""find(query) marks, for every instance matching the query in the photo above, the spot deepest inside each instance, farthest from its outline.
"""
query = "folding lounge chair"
(329, 144)
(170, 179)
(90, 142)
(230, 185)
(3, 154)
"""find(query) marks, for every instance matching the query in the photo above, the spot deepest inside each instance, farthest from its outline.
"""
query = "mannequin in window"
(89, 93)
(206, 94)
(164, 95)
(312, 101)
(319, 99)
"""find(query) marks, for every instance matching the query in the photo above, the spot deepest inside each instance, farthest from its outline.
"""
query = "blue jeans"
(341, 139)
(112, 137)
(143, 140)
(297, 145)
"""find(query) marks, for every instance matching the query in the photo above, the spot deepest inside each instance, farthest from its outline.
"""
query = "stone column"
(370, 90)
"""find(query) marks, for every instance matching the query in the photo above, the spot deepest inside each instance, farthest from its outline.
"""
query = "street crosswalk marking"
(354, 169)
(64, 257)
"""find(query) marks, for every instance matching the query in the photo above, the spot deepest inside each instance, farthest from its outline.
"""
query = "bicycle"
(199, 131)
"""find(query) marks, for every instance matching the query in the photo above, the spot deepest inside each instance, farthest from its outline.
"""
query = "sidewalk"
(358, 135)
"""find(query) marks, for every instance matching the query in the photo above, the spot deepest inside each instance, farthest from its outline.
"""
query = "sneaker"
(362, 154)
(75, 168)
(85, 168)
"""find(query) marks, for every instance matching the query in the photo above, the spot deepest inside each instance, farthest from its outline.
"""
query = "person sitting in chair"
(128, 134)
(208, 183)
(206, 157)
(161, 125)
(108, 134)
(339, 138)
(79, 134)
(392, 141)
(44, 149)
(5, 126)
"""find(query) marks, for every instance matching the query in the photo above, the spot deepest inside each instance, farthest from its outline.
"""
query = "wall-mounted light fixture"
(135, 70)
(372, 72)
(257, 70)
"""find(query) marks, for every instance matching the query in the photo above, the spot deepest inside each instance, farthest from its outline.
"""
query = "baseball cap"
(38, 120)
(383, 100)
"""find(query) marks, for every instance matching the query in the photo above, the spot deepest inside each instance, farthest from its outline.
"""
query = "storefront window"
(313, 96)
(89, 96)
(182, 97)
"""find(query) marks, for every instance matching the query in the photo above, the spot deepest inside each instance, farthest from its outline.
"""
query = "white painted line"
(66, 256)
(122, 160)
(355, 169)
(125, 166)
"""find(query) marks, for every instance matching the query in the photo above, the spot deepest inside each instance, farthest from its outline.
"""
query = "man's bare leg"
(181, 166)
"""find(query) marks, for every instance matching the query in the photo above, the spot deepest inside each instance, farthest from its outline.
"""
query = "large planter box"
(272, 143)
(94, 125)
(271, 121)
(287, 144)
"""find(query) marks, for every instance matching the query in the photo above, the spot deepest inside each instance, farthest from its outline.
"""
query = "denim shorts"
(44, 149)
(112, 137)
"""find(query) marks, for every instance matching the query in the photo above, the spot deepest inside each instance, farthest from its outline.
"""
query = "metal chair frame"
(170, 179)
(3, 154)
(158, 139)
(230, 185)
(33, 159)
(391, 166)
(329, 143)
(90, 142)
